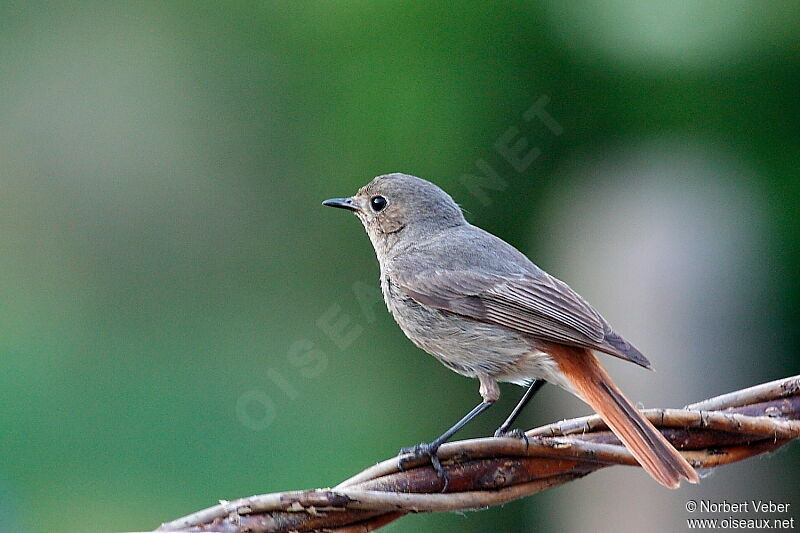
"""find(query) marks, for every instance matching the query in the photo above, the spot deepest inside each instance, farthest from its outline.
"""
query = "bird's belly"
(465, 346)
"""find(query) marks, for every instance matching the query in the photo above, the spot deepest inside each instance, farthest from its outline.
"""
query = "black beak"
(343, 203)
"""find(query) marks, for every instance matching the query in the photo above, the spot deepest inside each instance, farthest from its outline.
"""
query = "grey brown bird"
(486, 311)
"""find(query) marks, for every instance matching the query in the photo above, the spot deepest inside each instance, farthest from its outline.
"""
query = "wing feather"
(536, 304)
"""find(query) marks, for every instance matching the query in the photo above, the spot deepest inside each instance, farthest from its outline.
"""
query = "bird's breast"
(464, 345)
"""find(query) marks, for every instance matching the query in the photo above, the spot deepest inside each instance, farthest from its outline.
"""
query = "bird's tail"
(593, 384)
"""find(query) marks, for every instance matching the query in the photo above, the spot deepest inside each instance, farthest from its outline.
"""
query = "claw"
(424, 449)
(515, 433)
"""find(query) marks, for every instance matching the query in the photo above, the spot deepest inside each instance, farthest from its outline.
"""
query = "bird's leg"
(503, 430)
(490, 392)
(431, 448)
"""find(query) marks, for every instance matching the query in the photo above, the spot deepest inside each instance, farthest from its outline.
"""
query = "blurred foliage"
(163, 252)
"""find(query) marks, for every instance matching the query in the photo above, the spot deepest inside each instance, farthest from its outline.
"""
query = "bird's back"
(467, 272)
(467, 247)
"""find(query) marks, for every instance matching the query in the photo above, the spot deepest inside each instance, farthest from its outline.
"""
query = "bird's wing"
(539, 305)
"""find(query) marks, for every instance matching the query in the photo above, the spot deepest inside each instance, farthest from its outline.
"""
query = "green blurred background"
(169, 280)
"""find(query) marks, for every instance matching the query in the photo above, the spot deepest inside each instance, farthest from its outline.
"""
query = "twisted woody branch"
(491, 471)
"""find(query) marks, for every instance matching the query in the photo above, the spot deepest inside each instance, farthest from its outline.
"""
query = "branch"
(492, 471)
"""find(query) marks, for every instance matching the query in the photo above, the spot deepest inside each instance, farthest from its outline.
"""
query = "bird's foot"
(515, 433)
(412, 453)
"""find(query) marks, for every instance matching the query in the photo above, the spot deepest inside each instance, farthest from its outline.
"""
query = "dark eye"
(377, 203)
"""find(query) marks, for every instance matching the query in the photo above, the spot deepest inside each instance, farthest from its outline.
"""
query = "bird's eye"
(377, 203)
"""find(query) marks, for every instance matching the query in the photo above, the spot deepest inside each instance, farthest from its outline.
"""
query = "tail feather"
(656, 455)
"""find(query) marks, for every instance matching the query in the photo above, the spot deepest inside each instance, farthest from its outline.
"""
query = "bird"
(486, 311)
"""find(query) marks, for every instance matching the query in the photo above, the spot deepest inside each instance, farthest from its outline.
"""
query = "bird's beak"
(343, 203)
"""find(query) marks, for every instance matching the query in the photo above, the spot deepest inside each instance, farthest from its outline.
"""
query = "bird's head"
(401, 208)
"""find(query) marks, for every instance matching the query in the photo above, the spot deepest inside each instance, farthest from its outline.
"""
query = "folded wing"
(539, 305)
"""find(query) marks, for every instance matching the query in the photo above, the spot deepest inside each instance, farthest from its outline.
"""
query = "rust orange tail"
(657, 456)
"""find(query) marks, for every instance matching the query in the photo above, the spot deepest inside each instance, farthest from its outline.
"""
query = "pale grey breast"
(466, 346)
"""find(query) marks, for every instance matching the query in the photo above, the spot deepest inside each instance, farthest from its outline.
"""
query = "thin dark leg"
(532, 390)
(430, 449)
